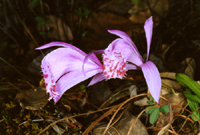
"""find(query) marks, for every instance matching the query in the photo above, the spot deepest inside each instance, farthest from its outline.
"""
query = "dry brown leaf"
(59, 29)
(100, 22)
(140, 12)
(190, 68)
(133, 90)
(58, 130)
(177, 99)
(32, 99)
(164, 130)
(169, 80)
(122, 126)
(141, 102)
(141, 17)
(115, 6)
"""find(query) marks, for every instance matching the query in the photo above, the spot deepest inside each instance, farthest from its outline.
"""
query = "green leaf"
(79, 12)
(84, 33)
(42, 33)
(188, 94)
(193, 106)
(41, 25)
(164, 108)
(13, 46)
(151, 101)
(48, 21)
(188, 82)
(83, 87)
(33, 4)
(86, 12)
(150, 110)
(2, 89)
(154, 115)
(39, 19)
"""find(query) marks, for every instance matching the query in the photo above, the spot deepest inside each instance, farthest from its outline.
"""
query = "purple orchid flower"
(62, 68)
(65, 67)
(122, 55)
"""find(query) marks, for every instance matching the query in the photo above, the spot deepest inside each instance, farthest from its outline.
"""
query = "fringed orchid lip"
(114, 65)
(62, 68)
(49, 81)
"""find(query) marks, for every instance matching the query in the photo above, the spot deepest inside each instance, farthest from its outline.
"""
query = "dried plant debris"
(190, 67)
(32, 99)
(122, 126)
(56, 29)
(172, 94)
(100, 93)
(140, 12)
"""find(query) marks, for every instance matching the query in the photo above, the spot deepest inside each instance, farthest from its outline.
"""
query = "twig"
(37, 120)
(73, 117)
(13, 67)
(6, 32)
(166, 128)
(129, 131)
(122, 104)
(2, 120)
(29, 32)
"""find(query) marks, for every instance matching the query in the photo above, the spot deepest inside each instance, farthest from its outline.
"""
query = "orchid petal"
(97, 78)
(125, 37)
(93, 57)
(63, 60)
(48, 78)
(131, 66)
(60, 62)
(148, 27)
(153, 79)
(71, 79)
(63, 44)
(122, 46)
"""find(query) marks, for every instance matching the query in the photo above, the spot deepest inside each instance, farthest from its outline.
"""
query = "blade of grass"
(13, 67)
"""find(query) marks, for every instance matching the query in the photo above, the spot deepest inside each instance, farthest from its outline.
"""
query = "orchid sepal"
(152, 77)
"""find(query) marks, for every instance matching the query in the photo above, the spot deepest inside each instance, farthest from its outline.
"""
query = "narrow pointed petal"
(153, 79)
(148, 27)
(63, 44)
(122, 35)
(125, 37)
(131, 66)
(97, 78)
(92, 57)
(71, 79)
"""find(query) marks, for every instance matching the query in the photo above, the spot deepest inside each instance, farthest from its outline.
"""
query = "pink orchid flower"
(122, 55)
(62, 68)
(65, 67)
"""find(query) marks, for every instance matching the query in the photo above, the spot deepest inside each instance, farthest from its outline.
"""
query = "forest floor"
(108, 107)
